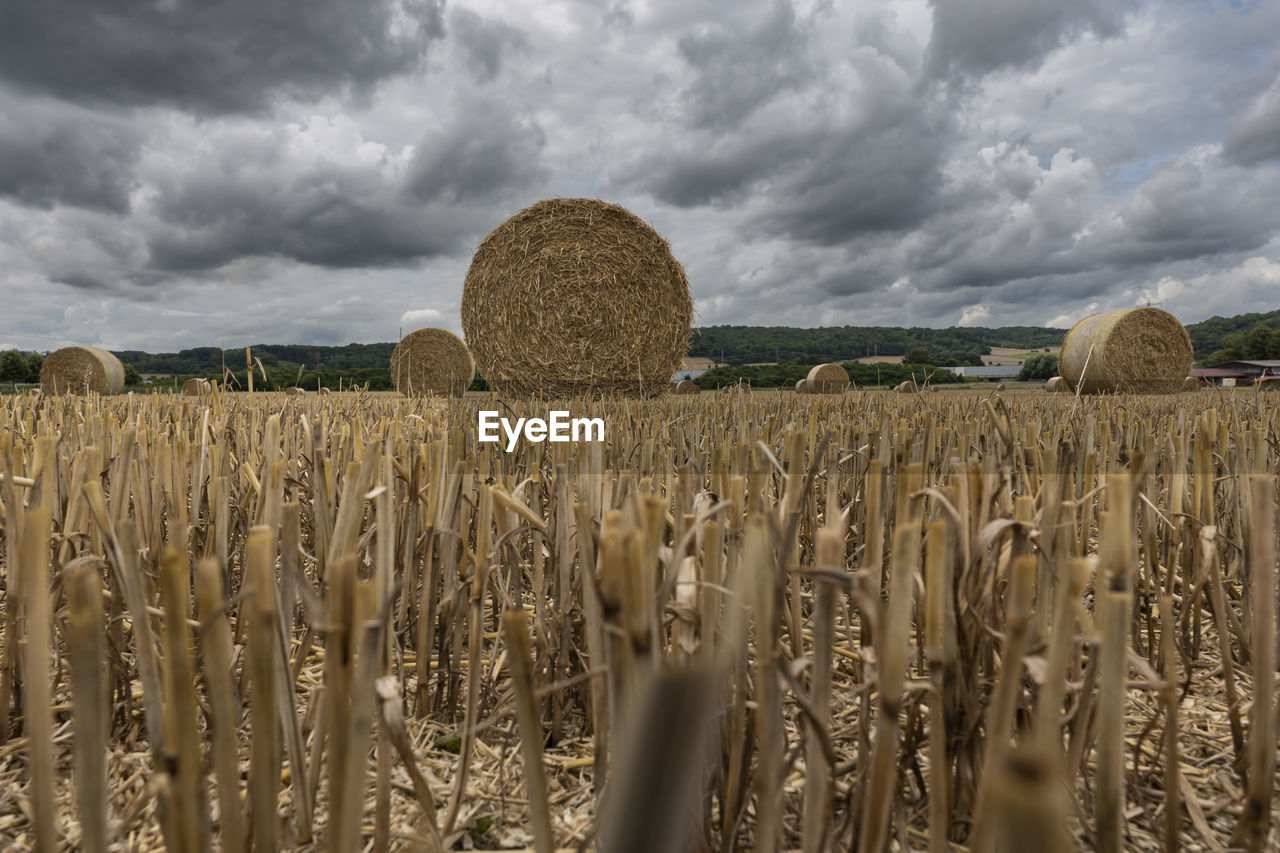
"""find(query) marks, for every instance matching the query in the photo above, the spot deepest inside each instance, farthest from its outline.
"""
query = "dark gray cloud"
(1196, 206)
(882, 177)
(229, 56)
(488, 152)
(974, 37)
(739, 67)
(485, 42)
(330, 216)
(51, 156)
(1254, 136)
(827, 167)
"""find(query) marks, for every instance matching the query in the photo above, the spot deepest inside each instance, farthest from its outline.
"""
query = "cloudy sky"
(177, 173)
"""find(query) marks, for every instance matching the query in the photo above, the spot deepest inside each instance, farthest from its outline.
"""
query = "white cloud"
(419, 318)
(975, 315)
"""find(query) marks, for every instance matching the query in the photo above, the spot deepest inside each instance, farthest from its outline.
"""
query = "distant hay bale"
(1001, 387)
(1056, 385)
(77, 370)
(804, 386)
(432, 361)
(1134, 350)
(1191, 383)
(295, 391)
(196, 387)
(828, 378)
(325, 392)
(907, 387)
(687, 386)
(576, 296)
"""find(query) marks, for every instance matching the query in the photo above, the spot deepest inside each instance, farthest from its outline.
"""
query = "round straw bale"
(907, 387)
(804, 386)
(432, 361)
(79, 370)
(1056, 385)
(1135, 350)
(1191, 383)
(196, 387)
(324, 391)
(1001, 387)
(575, 295)
(687, 386)
(829, 379)
(295, 391)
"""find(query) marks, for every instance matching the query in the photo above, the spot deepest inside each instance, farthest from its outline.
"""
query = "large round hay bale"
(687, 386)
(196, 387)
(906, 387)
(804, 386)
(432, 361)
(1134, 350)
(829, 378)
(1056, 385)
(576, 295)
(1001, 387)
(79, 370)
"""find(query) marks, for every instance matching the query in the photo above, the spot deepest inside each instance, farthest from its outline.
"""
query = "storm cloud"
(230, 56)
(181, 174)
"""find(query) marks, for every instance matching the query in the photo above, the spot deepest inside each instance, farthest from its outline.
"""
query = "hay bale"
(576, 295)
(296, 391)
(907, 387)
(804, 386)
(325, 392)
(196, 387)
(79, 370)
(829, 378)
(1056, 385)
(1134, 350)
(687, 386)
(1191, 383)
(1000, 387)
(432, 361)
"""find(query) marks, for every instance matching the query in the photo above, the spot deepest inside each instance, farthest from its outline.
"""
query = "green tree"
(1039, 366)
(1273, 351)
(917, 355)
(1257, 343)
(12, 366)
(1232, 347)
(131, 376)
(35, 361)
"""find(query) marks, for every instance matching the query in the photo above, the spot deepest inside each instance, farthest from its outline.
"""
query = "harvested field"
(862, 622)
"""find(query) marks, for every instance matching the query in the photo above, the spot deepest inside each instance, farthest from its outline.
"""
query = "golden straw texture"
(195, 387)
(804, 386)
(1056, 385)
(907, 387)
(829, 379)
(687, 386)
(576, 296)
(79, 370)
(1134, 350)
(432, 361)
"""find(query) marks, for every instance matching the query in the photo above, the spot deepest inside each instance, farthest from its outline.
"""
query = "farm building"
(1217, 375)
(1247, 372)
(989, 372)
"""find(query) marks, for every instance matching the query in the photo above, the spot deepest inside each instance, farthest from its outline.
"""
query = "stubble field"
(953, 621)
